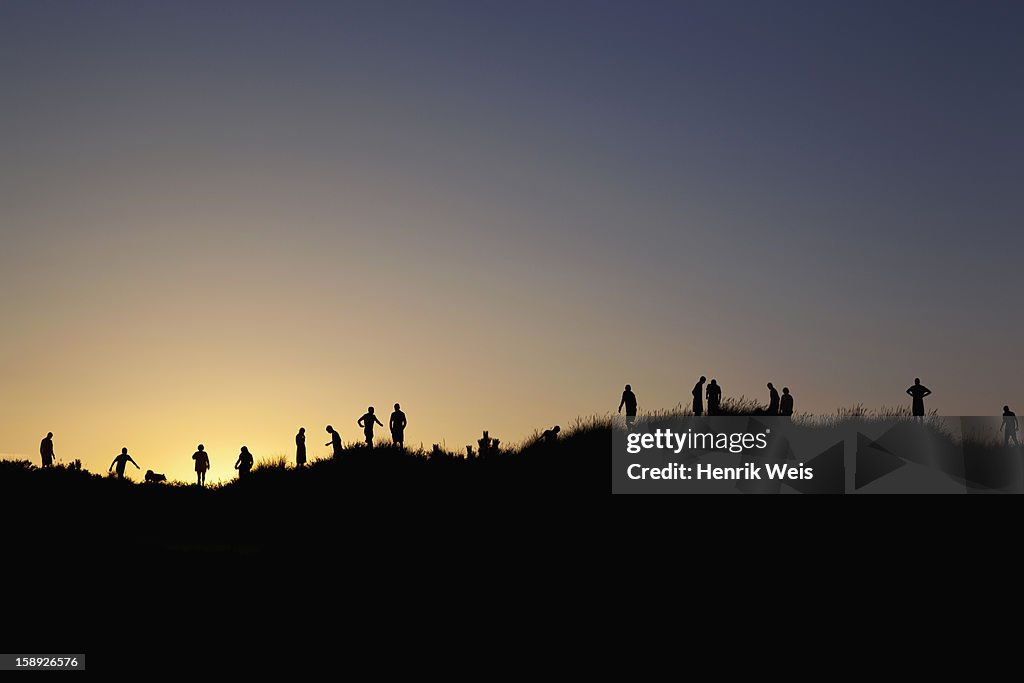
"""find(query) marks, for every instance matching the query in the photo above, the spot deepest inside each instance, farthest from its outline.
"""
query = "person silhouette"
(918, 392)
(698, 396)
(244, 463)
(300, 447)
(786, 403)
(202, 464)
(46, 450)
(335, 441)
(122, 460)
(628, 400)
(773, 400)
(397, 425)
(1010, 427)
(714, 394)
(550, 435)
(486, 444)
(366, 422)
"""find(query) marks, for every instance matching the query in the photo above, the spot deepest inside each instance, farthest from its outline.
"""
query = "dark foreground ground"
(377, 544)
(434, 556)
(279, 507)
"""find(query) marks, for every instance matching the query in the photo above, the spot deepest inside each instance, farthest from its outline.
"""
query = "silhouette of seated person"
(698, 396)
(335, 441)
(397, 426)
(121, 461)
(202, 464)
(786, 403)
(550, 436)
(629, 401)
(714, 396)
(918, 392)
(244, 463)
(1010, 427)
(300, 447)
(46, 450)
(366, 422)
(773, 400)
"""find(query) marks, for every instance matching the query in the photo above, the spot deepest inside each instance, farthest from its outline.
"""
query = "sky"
(221, 220)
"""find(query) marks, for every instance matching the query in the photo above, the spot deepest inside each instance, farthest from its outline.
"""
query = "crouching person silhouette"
(550, 435)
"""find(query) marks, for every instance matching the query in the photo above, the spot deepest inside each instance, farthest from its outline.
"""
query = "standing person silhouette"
(786, 404)
(1010, 427)
(397, 425)
(366, 422)
(918, 392)
(698, 396)
(46, 450)
(335, 441)
(773, 400)
(244, 463)
(628, 400)
(202, 464)
(300, 447)
(122, 460)
(714, 394)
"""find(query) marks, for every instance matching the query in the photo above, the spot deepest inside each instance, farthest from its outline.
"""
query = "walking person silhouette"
(397, 425)
(335, 441)
(698, 396)
(918, 392)
(121, 461)
(714, 394)
(202, 464)
(244, 463)
(773, 400)
(366, 422)
(786, 403)
(300, 447)
(46, 450)
(1010, 427)
(628, 400)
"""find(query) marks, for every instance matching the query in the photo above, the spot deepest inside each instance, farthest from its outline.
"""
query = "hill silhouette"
(280, 506)
(301, 543)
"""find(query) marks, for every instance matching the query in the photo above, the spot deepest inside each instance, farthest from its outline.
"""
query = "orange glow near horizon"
(220, 222)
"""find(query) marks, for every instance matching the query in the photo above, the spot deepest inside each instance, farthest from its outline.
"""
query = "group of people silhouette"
(777, 405)
(245, 461)
(396, 424)
(783, 404)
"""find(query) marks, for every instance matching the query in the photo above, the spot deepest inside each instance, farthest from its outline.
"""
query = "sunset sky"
(222, 221)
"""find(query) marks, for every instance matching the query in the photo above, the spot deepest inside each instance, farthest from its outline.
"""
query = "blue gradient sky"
(221, 220)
